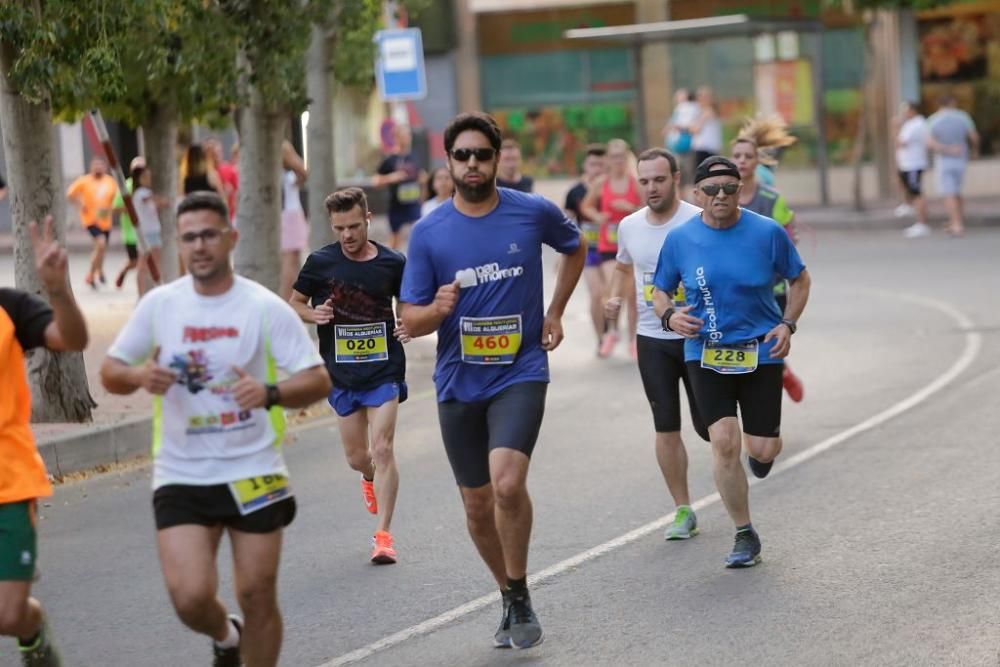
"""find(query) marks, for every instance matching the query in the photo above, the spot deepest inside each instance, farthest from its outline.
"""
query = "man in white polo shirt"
(660, 353)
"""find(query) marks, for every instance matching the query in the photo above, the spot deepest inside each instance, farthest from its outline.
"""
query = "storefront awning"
(734, 25)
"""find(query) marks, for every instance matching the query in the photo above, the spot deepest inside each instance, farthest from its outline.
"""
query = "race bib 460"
(360, 343)
(490, 340)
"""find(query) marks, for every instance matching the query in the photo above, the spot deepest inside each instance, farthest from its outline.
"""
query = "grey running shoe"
(229, 657)
(746, 550)
(685, 525)
(42, 653)
(525, 630)
(502, 637)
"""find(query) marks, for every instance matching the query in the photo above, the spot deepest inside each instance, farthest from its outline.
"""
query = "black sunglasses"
(713, 189)
(464, 154)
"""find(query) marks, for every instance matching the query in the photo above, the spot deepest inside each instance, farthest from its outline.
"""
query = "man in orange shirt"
(94, 195)
(26, 322)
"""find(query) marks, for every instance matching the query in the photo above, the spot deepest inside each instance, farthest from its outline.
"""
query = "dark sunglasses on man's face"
(713, 189)
(464, 154)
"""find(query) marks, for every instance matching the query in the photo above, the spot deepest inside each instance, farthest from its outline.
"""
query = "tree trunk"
(59, 389)
(861, 137)
(160, 134)
(322, 177)
(258, 215)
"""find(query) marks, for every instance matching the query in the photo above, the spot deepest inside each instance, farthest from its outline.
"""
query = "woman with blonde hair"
(608, 201)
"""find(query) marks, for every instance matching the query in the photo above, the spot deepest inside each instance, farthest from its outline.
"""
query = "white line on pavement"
(973, 343)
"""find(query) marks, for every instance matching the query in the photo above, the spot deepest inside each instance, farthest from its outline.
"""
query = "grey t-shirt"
(951, 127)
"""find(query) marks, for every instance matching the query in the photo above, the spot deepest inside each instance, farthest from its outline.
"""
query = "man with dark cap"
(727, 259)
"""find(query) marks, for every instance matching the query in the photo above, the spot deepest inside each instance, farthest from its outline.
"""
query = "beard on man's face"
(475, 192)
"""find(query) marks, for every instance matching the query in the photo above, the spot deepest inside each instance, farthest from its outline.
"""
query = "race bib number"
(360, 343)
(730, 359)
(490, 340)
(680, 297)
(647, 289)
(408, 193)
(592, 233)
(258, 492)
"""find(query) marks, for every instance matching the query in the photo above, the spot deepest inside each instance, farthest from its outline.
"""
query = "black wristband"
(792, 326)
(665, 320)
(273, 396)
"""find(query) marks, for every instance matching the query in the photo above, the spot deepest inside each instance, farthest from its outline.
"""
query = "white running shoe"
(917, 230)
(903, 210)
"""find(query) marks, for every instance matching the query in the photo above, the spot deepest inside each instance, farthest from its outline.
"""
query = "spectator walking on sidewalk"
(953, 138)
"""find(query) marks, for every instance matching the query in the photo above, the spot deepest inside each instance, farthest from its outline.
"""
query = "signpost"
(399, 65)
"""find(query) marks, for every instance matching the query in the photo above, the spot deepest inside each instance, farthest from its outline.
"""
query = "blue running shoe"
(746, 550)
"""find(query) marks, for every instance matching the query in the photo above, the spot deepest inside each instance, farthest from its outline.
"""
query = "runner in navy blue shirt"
(474, 275)
(737, 338)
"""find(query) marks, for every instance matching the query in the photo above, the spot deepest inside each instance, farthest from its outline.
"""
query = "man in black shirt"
(593, 169)
(400, 173)
(347, 289)
(509, 168)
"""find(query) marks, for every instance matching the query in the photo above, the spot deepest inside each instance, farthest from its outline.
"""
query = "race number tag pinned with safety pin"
(490, 340)
(256, 493)
(647, 288)
(360, 343)
(592, 233)
(730, 358)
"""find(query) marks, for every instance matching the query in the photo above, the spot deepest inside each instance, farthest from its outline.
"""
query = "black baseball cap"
(704, 170)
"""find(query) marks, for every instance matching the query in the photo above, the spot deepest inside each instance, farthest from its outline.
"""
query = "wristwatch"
(273, 396)
(790, 324)
(665, 320)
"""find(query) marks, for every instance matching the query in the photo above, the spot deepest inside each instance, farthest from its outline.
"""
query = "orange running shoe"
(383, 553)
(608, 343)
(793, 385)
(368, 493)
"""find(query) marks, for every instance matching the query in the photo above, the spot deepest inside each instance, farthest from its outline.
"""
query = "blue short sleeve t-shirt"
(492, 340)
(728, 276)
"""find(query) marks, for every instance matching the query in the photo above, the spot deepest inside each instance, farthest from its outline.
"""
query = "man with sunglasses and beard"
(737, 338)
(474, 275)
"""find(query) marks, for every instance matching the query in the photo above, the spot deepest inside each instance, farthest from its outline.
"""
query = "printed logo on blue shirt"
(486, 273)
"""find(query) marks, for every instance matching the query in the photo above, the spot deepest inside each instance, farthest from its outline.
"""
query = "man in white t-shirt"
(660, 353)
(208, 347)
(911, 162)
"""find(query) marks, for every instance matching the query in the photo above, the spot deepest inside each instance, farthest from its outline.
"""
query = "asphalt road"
(879, 529)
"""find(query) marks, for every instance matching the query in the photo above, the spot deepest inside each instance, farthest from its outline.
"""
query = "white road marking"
(973, 343)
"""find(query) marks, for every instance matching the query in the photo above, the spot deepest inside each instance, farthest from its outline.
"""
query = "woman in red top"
(609, 200)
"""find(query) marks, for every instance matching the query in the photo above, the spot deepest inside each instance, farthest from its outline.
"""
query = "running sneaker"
(634, 350)
(746, 550)
(685, 525)
(383, 552)
(89, 279)
(525, 630)
(368, 493)
(104, 280)
(41, 653)
(917, 230)
(793, 385)
(903, 210)
(502, 637)
(229, 657)
(759, 468)
(608, 344)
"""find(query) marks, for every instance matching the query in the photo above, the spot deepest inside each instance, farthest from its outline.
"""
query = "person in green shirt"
(129, 239)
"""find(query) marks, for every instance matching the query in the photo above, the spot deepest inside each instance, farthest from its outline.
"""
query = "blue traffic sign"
(399, 64)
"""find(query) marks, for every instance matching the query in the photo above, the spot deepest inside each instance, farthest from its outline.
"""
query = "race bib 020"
(360, 343)
(730, 358)
(490, 340)
(256, 493)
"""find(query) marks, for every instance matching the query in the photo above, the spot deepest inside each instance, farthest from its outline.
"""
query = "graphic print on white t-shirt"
(201, 436)
(639, 244)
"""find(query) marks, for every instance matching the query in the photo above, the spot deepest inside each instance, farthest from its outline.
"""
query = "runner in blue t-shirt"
(737, 338)
(474, 275)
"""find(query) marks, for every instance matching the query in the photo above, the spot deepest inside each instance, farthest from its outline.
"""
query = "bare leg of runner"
(255, 574)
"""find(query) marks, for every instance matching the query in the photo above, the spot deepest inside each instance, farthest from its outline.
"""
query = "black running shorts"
(662, 368)
(132, 250)
(511, 419)
(180, 504)
(757, 394)
(911, 181)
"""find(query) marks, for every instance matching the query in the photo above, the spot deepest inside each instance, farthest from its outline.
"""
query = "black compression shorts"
(661, 366)
(180, 504)
(757, 394)
(511, 419)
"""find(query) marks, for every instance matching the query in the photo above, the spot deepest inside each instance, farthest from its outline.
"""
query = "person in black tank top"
(197, 175)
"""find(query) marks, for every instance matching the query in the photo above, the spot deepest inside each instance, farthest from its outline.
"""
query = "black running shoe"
(502, 637)
(525, 630)
(229, 657)
(758, 468)
(746, 550)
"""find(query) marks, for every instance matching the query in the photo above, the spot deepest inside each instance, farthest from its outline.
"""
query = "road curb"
(102, 445)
